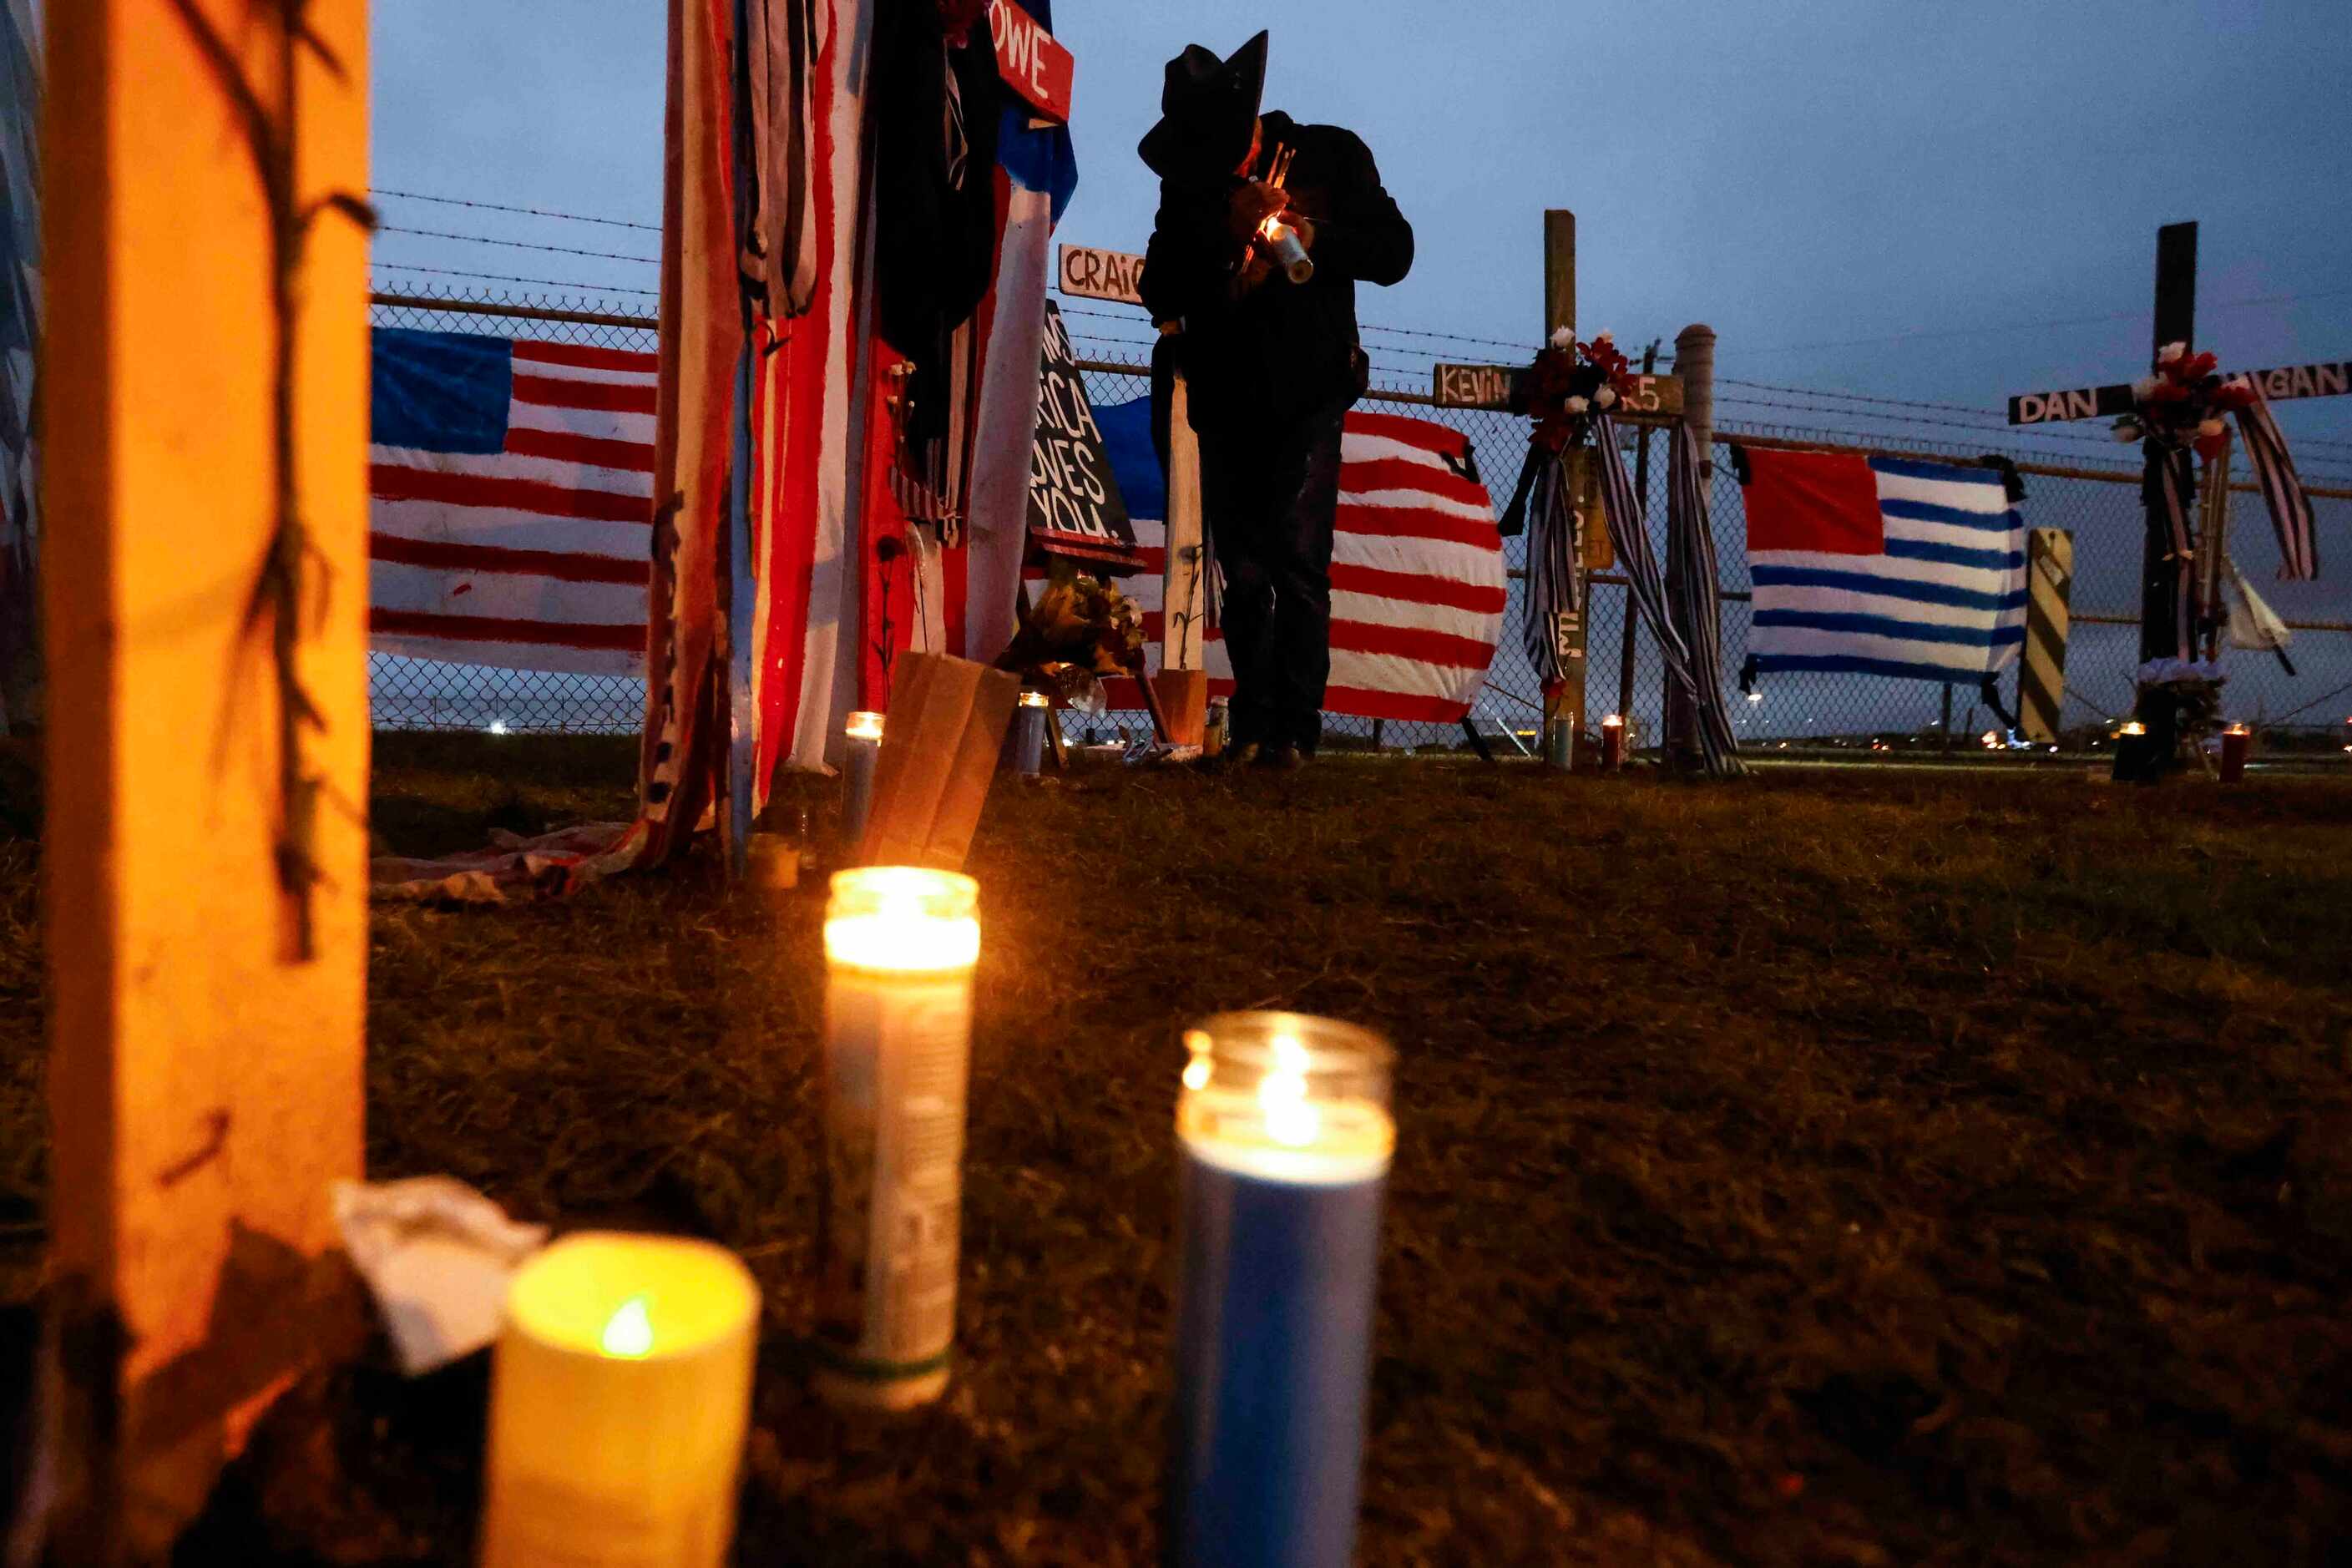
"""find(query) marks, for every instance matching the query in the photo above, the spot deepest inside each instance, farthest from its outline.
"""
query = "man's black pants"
(1270, 498)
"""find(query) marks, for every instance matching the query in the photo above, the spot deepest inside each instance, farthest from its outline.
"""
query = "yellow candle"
(901, 942)
(861, 751)
(619, 1399)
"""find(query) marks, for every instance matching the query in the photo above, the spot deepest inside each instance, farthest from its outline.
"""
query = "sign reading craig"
(1074, 508)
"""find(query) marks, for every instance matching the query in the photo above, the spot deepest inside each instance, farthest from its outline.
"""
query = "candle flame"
(2134, 728)
(1196, 1074)
(1282, 1094)
(1615, 722)
(863, 726)
(629, 1332)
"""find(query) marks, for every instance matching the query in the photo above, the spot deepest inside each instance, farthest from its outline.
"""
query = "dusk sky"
(1872, 197)
(1946, 204)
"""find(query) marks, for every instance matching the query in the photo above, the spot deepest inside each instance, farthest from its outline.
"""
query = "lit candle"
(900, 943)
(1613, 741)
(619, 1398)
(1029, 721)
(1285, 1125)
(864, 745)
(2236, 742)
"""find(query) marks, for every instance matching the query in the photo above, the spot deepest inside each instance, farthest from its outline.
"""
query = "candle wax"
(1274, 1350)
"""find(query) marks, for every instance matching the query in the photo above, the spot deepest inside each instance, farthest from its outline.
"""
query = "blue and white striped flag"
(1882, 566)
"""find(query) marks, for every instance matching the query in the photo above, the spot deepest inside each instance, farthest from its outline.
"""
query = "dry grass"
(1838, 1168)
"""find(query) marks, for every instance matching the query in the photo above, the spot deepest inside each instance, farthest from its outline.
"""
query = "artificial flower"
(1562, 338)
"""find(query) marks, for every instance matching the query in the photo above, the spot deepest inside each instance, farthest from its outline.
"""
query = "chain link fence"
(2072, 482)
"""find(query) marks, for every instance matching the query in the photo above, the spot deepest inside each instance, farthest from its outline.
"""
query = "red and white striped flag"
(511, 488)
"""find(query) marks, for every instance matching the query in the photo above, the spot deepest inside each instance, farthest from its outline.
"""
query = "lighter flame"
(2134, 728)
(629, 1331)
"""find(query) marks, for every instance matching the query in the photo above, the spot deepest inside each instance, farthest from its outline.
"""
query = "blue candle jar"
(1285, 1133)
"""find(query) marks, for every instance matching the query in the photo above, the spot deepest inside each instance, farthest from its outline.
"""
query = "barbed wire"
(2021, 433)
(503, 278)
(517, 244)
(502, 208)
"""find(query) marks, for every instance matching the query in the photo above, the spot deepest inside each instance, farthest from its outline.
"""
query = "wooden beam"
(2176, 286)
(1566, 701)
(206, 469)
(2042, 675)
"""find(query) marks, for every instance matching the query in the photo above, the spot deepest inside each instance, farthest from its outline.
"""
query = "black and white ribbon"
(1692, 590)
(1543, 499)
(2282, 492)
(1630, 535)
(2168, 487)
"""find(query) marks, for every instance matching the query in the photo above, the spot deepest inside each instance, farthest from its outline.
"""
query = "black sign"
(1074, 501)
(1491, 385)
(2106, 402)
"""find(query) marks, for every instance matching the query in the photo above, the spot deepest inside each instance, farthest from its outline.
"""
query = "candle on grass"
(901, 942)
(620, 1395)
(2236, 742)
(1029, 721)
(863, 745)
(1286, 1135)
(1613, 741)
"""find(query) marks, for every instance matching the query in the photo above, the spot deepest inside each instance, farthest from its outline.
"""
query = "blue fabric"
(1852, 664)
(439, 392)
(1919, 593)
(1134, 460)
(1038, 160)
(1952, 516)
(1942, 473)
(1887, 627)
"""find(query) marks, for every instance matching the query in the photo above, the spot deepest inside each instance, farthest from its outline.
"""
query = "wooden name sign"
(1085, 273)
(1490, 386)
(1074, 508)
(2106, 401)
(1031, 61)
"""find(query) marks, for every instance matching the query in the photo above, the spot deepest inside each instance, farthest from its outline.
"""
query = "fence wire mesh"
(2097, 500)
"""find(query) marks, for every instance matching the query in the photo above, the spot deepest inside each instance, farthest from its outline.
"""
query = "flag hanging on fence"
(1882, 567)
(1417, 577)
(510, 509)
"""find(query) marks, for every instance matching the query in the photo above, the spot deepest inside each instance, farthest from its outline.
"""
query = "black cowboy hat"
(1208, 109)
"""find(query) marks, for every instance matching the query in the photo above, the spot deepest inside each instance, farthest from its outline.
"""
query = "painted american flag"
(510, 513)
(1418, 584)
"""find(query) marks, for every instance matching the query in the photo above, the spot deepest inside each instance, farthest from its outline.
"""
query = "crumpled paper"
(439, 1257)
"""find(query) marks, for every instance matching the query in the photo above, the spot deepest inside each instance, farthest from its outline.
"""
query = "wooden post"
(2176, 323)
(2041, 678)
(1566, 702)
(2213, 543)
(206, 483)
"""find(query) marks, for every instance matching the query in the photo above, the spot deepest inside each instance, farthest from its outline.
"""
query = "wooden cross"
(206, 378)
(2176, 323)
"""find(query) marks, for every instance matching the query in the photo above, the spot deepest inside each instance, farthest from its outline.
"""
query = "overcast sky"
(1862, 194)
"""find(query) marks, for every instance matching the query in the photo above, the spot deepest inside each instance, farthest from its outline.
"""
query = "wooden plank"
(2042, 674)
(1559, 271)
(205, 1075)
(1491, 386)
(2175, 287)
(1184, 580)
(2284, 384)
(986, 716)
(1087, 273)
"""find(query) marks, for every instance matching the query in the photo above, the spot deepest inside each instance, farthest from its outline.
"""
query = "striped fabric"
(1417, 577)
(510, 486)
(2169, 482)
(1882, 566)
(2282, 492)
(1694, 587)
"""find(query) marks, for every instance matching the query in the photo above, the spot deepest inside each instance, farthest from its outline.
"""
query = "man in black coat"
(1271, 366)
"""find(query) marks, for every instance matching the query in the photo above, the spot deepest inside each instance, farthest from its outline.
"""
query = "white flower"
(1576, 406)
(1562, 338)
(1604, 337)
(2171, 351)
(1605, 398)
(2143, 389)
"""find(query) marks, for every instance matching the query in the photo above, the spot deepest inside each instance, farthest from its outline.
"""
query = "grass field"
(1833, 1168)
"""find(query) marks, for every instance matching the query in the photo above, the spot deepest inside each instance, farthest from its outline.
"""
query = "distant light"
(1992, 740)
(1759, 697)
(499, 727)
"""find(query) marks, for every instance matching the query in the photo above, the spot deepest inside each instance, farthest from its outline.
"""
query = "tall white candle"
(900, 943)
(861, 746)
(620, 1395)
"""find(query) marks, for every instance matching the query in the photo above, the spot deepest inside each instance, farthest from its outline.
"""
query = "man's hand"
(1252, 204)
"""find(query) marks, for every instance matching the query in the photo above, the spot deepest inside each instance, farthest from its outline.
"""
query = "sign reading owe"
(1489, 387)
(1088, 274)
(1074, 502)
(1031, 61)
(2105, 402)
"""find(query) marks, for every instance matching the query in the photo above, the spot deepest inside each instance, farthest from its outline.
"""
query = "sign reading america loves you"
(1882, 566)
(510, 511)
(1074, 508)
